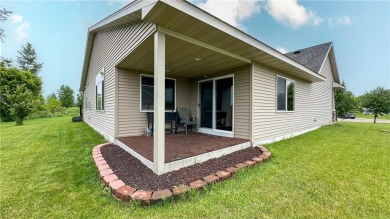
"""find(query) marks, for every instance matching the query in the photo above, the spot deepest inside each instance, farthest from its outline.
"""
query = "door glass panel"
(206, 104)
(224, 104)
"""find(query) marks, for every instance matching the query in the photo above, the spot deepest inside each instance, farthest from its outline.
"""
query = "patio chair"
(185, 120)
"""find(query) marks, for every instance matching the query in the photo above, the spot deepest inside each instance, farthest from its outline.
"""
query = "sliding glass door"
(216, 105)
(224, 104)
(206, 104)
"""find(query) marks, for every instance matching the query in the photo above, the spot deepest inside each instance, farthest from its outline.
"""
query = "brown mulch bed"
(134, 173)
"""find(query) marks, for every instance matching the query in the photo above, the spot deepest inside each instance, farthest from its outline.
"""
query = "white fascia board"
(145, 11)
(201, 44)
(88, 49)
(332, 59)
(199, 14)
(337, 85)
(132, 7)
(333, 64)
(326, 56)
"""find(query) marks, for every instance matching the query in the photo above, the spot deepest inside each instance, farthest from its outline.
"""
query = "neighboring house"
(209, 67)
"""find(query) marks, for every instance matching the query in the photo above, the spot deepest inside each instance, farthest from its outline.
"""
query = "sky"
(359, 30)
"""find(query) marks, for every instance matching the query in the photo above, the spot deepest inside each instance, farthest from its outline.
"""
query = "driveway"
(364, 120)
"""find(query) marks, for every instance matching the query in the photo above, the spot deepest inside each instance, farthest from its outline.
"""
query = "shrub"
(62, 111)
(20, 94)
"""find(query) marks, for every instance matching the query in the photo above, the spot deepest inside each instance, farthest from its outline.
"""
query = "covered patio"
(203, 79)
(180, 146)
(182, 150)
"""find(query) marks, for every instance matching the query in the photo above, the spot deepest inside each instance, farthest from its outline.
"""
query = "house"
(159, 55)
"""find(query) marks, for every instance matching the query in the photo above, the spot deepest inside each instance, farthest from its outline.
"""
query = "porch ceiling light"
(198, 59)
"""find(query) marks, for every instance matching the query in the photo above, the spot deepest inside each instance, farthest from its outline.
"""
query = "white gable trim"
(128, 9)
(326, 56)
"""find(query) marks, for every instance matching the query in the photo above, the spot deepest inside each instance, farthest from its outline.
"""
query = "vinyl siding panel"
(241, 126)
(313, 105)
(109, 48)
(242, 103)
(131, 121)
(194, 97)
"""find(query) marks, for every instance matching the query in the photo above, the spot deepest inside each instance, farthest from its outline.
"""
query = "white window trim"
(103, 91)
(140, 93)
(214, 130)
(276, 94)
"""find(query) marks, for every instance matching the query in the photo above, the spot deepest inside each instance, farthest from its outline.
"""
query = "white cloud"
(16, 18)
(120, 2)
(281, 50)
(291, 13)
(233, 12)
(21, 30)
(345, 20)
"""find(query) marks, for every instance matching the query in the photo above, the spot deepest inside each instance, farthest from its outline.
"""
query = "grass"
(338, 171)
(361, 115)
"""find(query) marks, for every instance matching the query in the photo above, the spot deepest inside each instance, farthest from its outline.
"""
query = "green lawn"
(338, 171)
(361, 115)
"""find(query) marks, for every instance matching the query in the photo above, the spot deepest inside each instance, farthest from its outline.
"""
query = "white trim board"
(176, 165)
(143, 160)
(276, 139)
(216, 132)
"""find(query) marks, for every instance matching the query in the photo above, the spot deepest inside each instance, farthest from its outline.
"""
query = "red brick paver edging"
(127, 193)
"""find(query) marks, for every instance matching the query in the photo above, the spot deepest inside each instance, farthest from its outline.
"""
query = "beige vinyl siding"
(132, 122)
(193, 109)
(242, 103)
(241, 99)
(313, 105)
(109, 48)
(183, 93)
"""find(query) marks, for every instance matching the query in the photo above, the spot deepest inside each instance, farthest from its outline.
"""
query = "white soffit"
(227, 30)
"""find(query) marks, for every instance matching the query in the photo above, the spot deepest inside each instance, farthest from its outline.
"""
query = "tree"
(80, 99)
(53, 105)
(8, 63)
(345, 101)
(3, 17)
(52, 96)
(377, 101)
(20, 93)
(27, 61)
(65, 95)
(21, 103)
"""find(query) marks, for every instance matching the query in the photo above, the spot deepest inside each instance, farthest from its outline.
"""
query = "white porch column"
(159, 103)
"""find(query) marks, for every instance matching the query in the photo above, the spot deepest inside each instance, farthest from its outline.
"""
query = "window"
(285, 94)
(147, 94)
(100, 91)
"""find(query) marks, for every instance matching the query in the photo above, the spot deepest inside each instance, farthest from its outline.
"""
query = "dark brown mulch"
(134, 173)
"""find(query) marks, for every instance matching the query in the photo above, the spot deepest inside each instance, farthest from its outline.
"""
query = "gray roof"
(311, 57)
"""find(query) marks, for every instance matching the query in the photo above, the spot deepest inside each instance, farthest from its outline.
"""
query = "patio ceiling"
(185, 18)
(181, 59)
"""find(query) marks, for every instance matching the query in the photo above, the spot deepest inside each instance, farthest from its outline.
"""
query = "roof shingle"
(311, 57)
